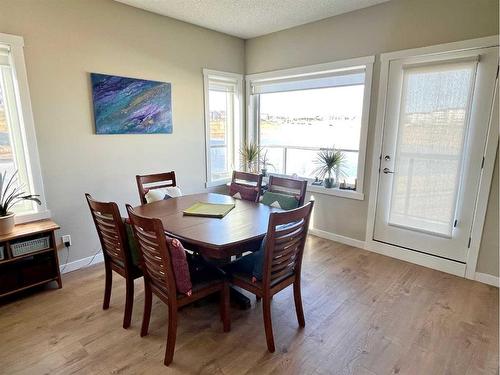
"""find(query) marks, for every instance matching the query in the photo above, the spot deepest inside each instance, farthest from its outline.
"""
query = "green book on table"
(205, 209)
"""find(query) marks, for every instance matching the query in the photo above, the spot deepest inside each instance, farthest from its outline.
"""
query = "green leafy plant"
(329, 161)
(250, 156)
(11, 194)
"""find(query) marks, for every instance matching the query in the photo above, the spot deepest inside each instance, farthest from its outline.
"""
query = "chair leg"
(171, 335)
(298, 303)
(129, 303)
(148, 298)
(268, 324)
(107, 286)
(224, 308)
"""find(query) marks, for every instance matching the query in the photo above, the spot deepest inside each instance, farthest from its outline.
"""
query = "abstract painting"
(131, 106)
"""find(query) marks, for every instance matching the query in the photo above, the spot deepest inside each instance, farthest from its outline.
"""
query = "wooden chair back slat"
(242, 180)
(281, 239)
(288, 186)
(284, 250)
(286, 237)
(110, 239)
(111, 230)
(283, 263)
(154, 181)
(154, 256)
(245, 177)
(109, 236)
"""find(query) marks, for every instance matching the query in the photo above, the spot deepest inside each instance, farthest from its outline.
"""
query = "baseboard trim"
(429, 261)
(81, 263)
(421, 259)
(337, 238)
(487, 279)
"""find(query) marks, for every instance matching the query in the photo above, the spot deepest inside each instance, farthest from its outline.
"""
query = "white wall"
(64, 41)
(391, 26)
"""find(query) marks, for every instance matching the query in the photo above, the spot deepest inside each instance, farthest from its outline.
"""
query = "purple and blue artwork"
(131, 106)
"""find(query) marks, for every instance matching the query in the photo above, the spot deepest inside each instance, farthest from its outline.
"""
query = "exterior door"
(436, 123)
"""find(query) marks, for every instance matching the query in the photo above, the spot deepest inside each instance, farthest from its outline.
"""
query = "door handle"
(387, 171)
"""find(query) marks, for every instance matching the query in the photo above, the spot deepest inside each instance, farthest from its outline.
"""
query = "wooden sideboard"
(22, 267)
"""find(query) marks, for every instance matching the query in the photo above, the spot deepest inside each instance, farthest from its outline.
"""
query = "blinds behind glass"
(338, 78)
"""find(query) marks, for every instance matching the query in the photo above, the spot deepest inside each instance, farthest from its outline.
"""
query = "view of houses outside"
(8, 163)
(304, 121)
(219, 123)
(6, 156)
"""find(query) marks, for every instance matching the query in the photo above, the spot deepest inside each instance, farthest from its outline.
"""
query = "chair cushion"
(279, 200)
(203, 275)
(154, 195)
(246, 278)
(251, 264)
(239, 191)
(132, 243)
(180, 266)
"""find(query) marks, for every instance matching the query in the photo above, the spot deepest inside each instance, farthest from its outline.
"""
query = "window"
(298, 112)
(223, 123)
(18, 149)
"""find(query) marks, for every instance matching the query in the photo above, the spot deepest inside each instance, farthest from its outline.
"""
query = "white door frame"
(445, 265)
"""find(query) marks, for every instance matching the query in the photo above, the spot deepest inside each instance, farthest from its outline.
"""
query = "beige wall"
(64, 41)
(392, 26)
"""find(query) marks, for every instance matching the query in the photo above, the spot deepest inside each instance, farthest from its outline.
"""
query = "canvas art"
(131, 106)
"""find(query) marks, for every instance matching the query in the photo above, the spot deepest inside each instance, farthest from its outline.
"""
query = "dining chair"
(117, 251)
(284, 247)
(154, 181)
(159, 279)
(246, 186)
(288, 186)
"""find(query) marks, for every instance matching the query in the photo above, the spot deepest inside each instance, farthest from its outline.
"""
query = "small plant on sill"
(250, 156)
(11, 193)
(264, 161)
(330, 162)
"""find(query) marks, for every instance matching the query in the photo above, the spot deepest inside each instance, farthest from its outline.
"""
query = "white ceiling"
(250, 18)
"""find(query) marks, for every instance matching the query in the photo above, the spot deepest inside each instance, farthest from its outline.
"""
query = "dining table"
(240, 230)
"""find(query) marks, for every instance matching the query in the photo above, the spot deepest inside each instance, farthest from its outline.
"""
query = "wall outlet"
(66, 240)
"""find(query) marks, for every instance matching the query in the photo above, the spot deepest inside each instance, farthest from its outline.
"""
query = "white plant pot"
(7, 224)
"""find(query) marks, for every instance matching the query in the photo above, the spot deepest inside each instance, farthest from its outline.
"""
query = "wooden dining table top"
(219, 237)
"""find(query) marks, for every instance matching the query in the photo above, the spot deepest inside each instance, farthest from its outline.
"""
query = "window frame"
(233, 136)
(315, 71)
(27, 127)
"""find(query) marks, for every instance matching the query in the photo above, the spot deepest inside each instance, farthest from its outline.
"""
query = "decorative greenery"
(250, 156)
(328, 161)
(264, 161)
(11, 194)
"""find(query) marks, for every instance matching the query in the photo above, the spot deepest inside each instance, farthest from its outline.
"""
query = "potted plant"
(250, 156)
(11, 194)
(331, 163)
(264, 162)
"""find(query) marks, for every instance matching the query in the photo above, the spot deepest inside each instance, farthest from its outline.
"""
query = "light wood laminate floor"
(365, 314)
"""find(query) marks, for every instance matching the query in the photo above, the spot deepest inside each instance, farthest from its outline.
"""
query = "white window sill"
(351, 194)
(210, 184)
(32, 216)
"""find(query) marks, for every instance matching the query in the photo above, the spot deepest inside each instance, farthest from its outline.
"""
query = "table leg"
(239, 299)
